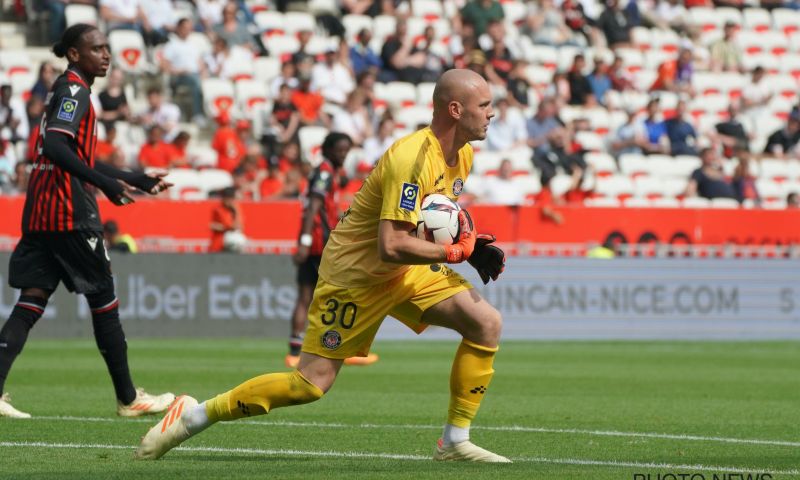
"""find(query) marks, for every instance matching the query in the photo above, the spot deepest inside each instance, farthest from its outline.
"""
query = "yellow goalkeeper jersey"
(412, 168)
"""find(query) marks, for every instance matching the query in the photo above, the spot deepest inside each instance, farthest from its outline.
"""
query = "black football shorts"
(308, 271)
(77, 258)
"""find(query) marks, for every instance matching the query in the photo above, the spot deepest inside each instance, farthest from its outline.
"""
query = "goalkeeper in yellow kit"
(372, 266)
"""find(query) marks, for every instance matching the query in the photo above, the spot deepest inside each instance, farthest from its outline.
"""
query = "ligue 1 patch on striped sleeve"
(66, 111)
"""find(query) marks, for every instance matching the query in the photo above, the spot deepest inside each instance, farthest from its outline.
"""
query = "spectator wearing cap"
(228, 144)
(182, 61)
(507, 130)
(726, 54)
(332, 79)
(309, 103)
(731, 133)
(362, 57)
(375, 146)
(709, 181)
(655, 130)
(783, 142)
(479, 13)
(159, 112)
(13, 117)
(615, 25)
(682, 135)
(233, 31)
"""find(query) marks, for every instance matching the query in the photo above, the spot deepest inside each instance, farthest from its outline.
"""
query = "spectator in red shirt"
(228, 144)
(177, 151)
(225, 217)
(105, 148)
(545, 200)
(309, 104)
(155, 153)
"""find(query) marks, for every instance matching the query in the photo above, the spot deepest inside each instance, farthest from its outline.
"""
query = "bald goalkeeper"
(372, 266)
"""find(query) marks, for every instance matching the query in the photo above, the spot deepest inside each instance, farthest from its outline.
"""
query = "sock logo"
(480, 390)
(244, 408)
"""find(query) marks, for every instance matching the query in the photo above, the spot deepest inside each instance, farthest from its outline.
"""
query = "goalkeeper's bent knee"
(261, 394)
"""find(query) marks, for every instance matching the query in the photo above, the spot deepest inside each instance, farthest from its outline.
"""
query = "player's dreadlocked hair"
(331, 140)
(71, 38)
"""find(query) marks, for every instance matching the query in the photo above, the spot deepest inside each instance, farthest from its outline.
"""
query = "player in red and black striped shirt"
(320, 215)
(62, 236)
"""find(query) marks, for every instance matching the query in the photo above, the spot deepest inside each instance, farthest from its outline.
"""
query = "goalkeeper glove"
(488, 260)
(460, 251)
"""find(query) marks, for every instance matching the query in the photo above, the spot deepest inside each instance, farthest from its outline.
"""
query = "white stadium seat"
(78, 13)
(219, 96)
(128, 51)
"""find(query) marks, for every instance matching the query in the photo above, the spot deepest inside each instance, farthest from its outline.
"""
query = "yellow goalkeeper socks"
(261, 394)
(472, 371)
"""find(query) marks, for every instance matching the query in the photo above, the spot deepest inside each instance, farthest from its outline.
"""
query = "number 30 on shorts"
(346, 314)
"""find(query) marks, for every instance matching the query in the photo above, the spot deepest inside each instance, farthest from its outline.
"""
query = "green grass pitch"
(594, 410)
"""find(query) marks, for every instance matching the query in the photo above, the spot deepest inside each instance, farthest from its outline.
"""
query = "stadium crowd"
(638, 103)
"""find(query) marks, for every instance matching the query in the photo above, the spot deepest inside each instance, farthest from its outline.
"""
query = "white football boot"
(168, 433)
(6, 410)
(145, 404)
(466, 451)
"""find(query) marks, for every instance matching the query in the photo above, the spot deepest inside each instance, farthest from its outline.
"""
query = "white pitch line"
(511, 428)
(398, 456)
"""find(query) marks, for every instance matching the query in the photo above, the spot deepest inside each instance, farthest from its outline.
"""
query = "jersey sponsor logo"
(66, 111)
(458, 186)
(331, 339)
(73, 89)
(439, 179)
(408, 196)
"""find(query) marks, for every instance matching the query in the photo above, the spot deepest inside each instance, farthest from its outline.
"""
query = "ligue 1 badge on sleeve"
(408, 196)
(331, 339)
(458, 186)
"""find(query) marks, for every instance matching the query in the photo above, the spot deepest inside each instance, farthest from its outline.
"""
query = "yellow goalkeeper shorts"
(342, 322)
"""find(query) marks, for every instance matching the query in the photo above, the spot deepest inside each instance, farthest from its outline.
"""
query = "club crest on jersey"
(331, 339)
(458, 185)
(408, 196)
(66, 111)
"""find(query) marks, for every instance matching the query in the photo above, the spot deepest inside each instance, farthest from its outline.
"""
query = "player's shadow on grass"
(226, 457)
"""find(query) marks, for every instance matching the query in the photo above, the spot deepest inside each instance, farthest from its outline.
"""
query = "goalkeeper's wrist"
(454, 253)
